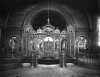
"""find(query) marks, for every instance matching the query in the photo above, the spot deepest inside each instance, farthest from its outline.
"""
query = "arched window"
(82, 44)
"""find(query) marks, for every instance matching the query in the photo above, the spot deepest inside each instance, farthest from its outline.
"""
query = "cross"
(48, 20)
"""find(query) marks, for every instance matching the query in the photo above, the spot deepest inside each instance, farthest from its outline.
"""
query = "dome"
(63, 31)
(57, 30)
(33, 32)
(39, 30)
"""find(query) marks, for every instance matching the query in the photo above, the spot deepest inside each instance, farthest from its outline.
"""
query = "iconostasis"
(46, 41)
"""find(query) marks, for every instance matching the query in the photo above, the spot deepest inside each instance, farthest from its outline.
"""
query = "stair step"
(47, 60)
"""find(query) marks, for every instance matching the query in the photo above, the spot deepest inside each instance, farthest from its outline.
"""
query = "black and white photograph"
(49, 38)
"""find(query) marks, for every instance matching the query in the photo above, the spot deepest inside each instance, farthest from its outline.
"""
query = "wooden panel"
(17, 17)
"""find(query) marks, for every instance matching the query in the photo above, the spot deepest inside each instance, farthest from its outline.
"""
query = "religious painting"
(63, 44)
(56, 44)
(14, 45)
(82, 44)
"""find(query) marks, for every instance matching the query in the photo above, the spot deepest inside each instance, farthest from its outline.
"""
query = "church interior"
(49, 38)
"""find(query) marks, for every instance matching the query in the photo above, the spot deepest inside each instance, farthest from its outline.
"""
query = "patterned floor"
(50, 71)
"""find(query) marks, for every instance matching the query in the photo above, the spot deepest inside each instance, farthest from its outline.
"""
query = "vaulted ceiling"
(89, 5)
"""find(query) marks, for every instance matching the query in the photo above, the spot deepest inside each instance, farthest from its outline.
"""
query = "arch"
(12, 36)
(53, 7)
(83, 36)
(70, 11)
(55, 19)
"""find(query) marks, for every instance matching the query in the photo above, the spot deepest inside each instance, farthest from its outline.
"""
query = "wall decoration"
(14, 44)
(82, 44)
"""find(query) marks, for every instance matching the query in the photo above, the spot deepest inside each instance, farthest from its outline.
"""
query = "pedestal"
(12, 53)
(99, 57)
(76, 62)
(62, 59)
(33, 60)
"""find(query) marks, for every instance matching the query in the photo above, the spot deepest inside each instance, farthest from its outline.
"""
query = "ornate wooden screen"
(47, 40)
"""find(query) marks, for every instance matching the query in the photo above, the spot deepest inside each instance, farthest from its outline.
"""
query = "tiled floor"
(50, 71)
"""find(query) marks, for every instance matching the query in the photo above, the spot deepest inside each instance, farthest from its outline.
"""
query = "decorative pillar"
(27, 34)
(32, 54)
(70, 43)
(60, 44)
(71, 33)
(77, 54)
(22, 31)
(62, 54)
(21, 54)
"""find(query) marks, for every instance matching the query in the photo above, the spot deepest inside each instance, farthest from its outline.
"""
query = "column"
(21, 54)
(27, 34)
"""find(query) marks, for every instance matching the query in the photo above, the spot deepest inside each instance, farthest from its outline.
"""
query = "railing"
(89, 58)
(9, 61)
(9, 56)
